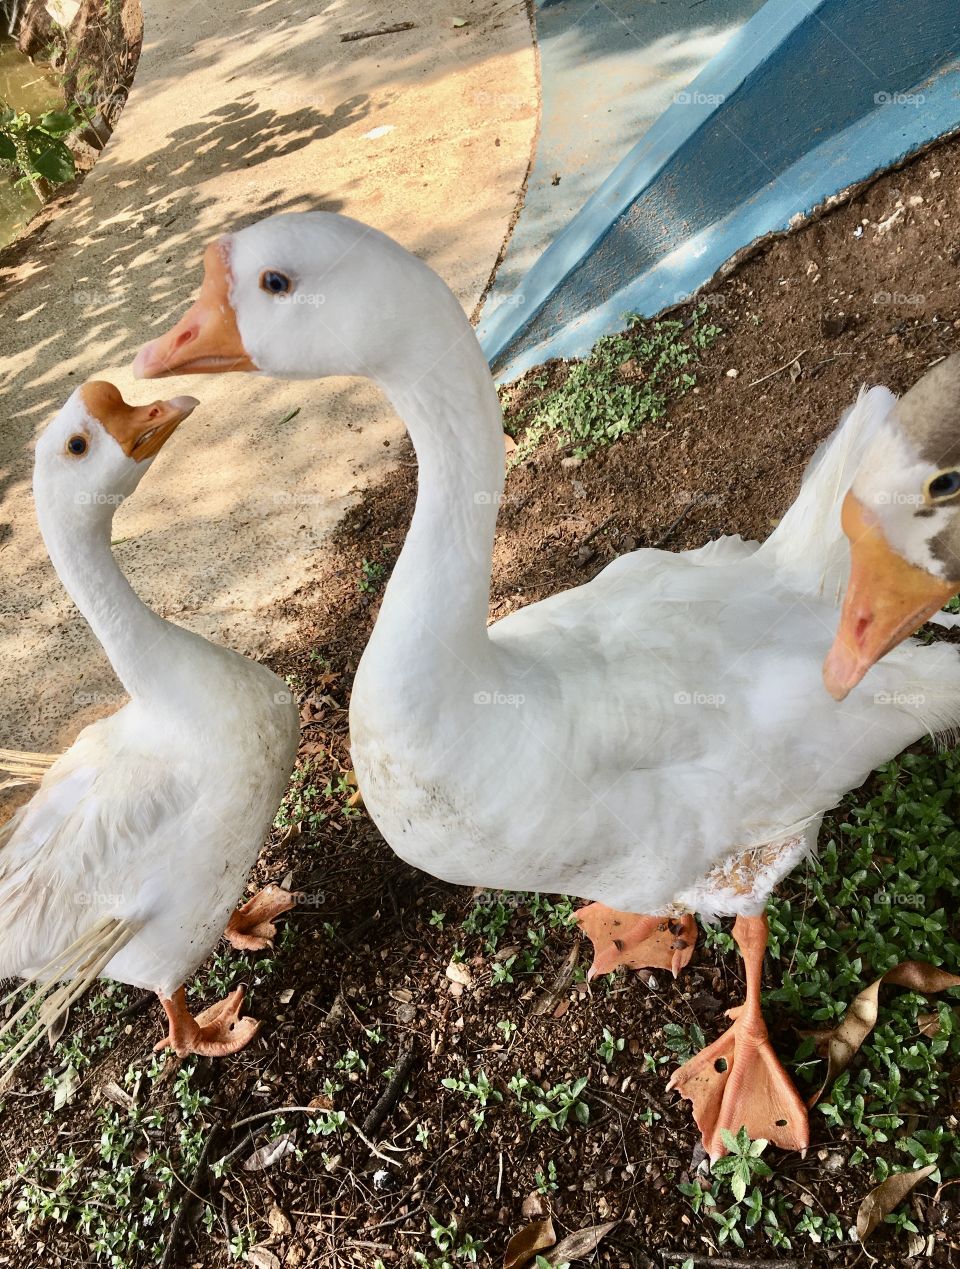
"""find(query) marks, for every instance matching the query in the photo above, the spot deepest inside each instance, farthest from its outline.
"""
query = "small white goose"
(659, 739)
(129, 859)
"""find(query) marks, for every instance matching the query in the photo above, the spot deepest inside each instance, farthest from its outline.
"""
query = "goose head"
(94, 453)
(902, 518)
(305, 295)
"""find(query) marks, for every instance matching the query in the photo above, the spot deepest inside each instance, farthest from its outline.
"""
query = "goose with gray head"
(129, 859)
(658, 740)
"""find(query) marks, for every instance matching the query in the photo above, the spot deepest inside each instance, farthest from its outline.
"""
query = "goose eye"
(274, 283)
(77, 445)
(946, 484)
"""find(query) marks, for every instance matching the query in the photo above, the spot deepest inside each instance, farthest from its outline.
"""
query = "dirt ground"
(867, 295)
(238, 111)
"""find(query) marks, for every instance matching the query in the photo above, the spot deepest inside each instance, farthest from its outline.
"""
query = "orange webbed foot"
(635, 941)
(215, 1032)
(251, 928)
(737, 1081)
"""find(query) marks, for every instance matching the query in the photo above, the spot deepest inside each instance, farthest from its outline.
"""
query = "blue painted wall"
(809, 97)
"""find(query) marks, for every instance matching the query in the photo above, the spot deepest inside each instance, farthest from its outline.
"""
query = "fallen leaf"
(458, 973)
(796, 370)
(262, 1258)
(66, 1087)
(279, 1222)
(841, 1044)
(525, 1244)
(459, 22)
(577, 1245)
(114, 1093)
(266, 1156)
(884, 1197)
(534, 1207)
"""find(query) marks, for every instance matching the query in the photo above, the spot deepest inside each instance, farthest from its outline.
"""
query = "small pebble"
(732, 374)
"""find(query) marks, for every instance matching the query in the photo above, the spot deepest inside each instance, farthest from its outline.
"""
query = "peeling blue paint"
(810, 96)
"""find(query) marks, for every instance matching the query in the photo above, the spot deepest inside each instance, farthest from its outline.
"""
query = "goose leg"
(737, 1081)
(251, 928)
(215, 1032)
(635, 941)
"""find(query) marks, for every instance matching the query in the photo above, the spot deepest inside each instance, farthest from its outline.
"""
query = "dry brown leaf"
(458, 973)
(262, 1258)
(266, 1156)
(279, 1222)
(840, 1045)
(525, 1244)
(884, 1197)
(534, 1207)
(577, 1245)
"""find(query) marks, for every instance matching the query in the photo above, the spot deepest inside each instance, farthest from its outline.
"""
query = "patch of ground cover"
(527, 1086)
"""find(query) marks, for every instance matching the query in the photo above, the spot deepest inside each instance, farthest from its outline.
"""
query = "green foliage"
(551, 1106)
(477, 1089)
(34, 148)
(120, 1195)
(625, 384)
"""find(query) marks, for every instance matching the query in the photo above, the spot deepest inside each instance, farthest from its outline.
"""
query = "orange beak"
(206, 339)
(141, 431)
(887, 600)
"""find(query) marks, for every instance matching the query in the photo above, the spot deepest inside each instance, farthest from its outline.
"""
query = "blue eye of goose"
(945, 485)
(274, 283)
(77, 445)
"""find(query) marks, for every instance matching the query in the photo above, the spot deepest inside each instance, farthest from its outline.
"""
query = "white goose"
(129, 859)
(659, 739)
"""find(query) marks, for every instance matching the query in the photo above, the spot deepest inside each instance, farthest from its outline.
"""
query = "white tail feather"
(80, 964)
(24, 768)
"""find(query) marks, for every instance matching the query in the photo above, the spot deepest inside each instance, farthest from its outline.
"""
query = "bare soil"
(866, 295)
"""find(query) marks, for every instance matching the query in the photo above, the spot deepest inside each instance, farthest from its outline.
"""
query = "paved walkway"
(239, 110)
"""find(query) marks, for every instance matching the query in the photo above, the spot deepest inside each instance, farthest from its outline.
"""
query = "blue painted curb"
(808, 98)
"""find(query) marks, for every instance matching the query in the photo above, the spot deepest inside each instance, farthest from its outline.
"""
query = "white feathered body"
(622, 740)
(154, 816)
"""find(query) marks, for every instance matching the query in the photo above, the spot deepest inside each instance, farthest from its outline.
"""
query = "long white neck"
(436, 605)
(133, 637)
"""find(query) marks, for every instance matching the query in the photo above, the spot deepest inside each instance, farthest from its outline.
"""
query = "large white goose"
(129, 859)
(658, 740)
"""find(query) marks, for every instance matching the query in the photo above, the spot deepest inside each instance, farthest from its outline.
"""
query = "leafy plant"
(34, 148)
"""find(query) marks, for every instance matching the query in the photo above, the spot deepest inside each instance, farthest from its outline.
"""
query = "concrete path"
(239, 110)
(609, 71)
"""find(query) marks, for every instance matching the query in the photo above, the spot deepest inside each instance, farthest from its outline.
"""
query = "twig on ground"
(391, 1094)
(725, 1262)
(552, 995)
(389, 28)
(779, 370)
(675, 524)
(596, 532)
(191, 1190)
